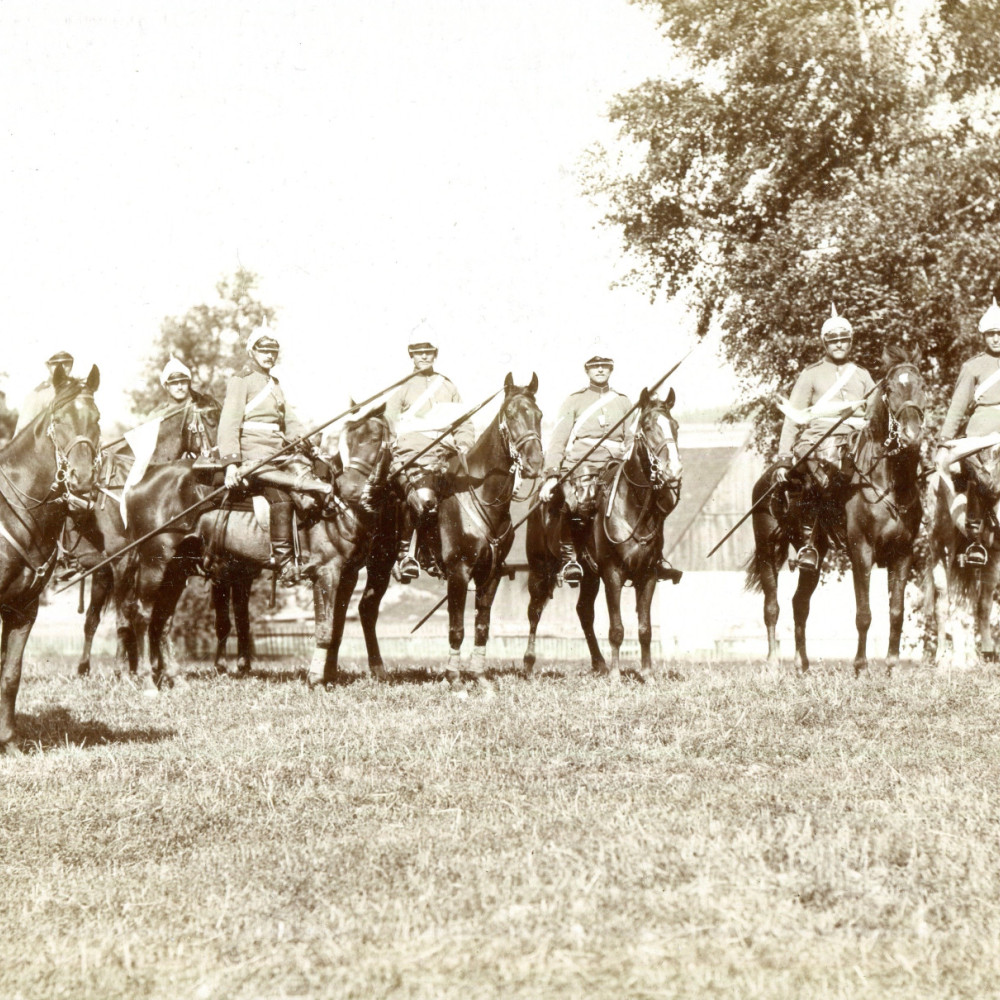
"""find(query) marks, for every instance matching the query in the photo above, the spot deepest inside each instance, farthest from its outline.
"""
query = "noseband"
(894, 442)
(513, 447)
(659, 467)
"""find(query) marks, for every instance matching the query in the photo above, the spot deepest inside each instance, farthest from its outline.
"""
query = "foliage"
(809, 152)
(194, 618)
(208, 338)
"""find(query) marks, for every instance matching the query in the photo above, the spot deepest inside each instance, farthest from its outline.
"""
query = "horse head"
(74, 431)
(364, 446)
(904, 399)
(520, 422)
(656, 440)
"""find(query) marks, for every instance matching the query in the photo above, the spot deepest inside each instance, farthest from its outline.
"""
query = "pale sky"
(376, 163)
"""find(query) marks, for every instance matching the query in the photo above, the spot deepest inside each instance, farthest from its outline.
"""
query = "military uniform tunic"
(188, 433)
(418, 411)
(984, 411)
(255, 418)
(572, 438)
(810, 387)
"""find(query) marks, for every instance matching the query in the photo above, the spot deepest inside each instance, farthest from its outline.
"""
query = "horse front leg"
(984, 606)
(899, 573)
(539, 591)
(223, 625)
(458, 588)
(589, 586)
(376, 583)
(161, 624)
(325, 586)
(485, 594)
(616, 630)
(101, 584)
(341, 601)
(16, 625)
(861, 572)
(808, 579)
(644, 590)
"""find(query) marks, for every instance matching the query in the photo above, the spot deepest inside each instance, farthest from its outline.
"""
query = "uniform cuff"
(229, 459)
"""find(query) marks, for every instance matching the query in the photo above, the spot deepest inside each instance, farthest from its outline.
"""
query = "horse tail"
(753, 582)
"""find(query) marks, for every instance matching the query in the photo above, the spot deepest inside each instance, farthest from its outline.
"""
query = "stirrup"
(406, 569)
(571, 573)
(806, 558)
(974, 555)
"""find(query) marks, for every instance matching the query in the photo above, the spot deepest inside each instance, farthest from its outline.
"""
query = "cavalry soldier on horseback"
(822, 394)
(417, 412)
(197, 434)
(254, 424)
(584, 419)
(976, 397)
(44, 392)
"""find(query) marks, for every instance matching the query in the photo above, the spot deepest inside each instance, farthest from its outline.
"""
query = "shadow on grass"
(57, 727)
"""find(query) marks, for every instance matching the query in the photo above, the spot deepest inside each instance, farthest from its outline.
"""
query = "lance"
(221, 489)
(569, 472)
(796, 463)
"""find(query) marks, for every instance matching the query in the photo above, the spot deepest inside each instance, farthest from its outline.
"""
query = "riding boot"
(664, 571)
(407, 568)
(570, 572)
(808, 555)
(975, 552)
(282, 542)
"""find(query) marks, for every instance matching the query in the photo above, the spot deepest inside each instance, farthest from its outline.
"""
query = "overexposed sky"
(376, 163)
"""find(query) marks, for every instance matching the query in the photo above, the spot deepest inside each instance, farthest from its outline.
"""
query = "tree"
(811, 151)
(207, 338)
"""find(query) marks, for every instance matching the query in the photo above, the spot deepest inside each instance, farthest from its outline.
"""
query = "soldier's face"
(66, 366)
(599, 374)
(265, 357)
(838, 346)
(992, 340)
(179, 391)
(423, 360)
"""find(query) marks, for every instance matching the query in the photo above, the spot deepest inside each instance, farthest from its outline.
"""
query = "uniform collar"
(254, 367)
(599, 389)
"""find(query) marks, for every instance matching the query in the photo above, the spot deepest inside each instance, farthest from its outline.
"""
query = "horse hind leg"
(539, 591)
(100, 586)
(808, 579)
(589, 586)
(223, 625)
(485, 595)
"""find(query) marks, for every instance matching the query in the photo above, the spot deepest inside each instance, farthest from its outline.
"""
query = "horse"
(953, 591)
(474, 531)
(622, 543)
(873, 509)
(225, 544)
(44, 470)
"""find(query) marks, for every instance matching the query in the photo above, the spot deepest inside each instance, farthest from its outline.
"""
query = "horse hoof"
(147, 686)
(10, 749)
(179, 683)
(83, 670)
(315, 682)
(379, 672)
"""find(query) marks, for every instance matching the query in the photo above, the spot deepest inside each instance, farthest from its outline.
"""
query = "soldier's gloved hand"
(548, 488)
(232, 476)
(784, 463)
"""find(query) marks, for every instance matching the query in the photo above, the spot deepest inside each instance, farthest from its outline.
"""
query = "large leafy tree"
(810, 151)
(208, 338)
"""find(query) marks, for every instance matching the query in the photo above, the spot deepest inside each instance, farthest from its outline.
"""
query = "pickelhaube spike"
(836, 323)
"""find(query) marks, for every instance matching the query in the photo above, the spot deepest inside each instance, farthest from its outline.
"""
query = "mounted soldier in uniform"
(824, 392)
(194, 415)
(418, 412)
(44, 392)
(255, 423)
(584, 419)
(977, 398)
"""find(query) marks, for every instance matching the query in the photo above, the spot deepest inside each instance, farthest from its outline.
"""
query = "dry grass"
(726, 834)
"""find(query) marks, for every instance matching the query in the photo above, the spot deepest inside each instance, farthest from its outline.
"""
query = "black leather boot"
(282, 542)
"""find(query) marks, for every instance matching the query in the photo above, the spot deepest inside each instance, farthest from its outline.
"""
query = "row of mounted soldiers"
(255, 421)
(825, 406)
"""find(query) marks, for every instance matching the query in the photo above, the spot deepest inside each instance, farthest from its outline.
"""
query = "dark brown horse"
(473, 533)
(48, 465)
(622, 543)
(960, 596)
(872, 508)
(227, 545)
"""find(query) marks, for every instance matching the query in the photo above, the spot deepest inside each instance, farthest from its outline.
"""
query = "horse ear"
(644, 398)
(533, 384)
(916, 354)
(508, 382)
(671, 398)
(93, 379)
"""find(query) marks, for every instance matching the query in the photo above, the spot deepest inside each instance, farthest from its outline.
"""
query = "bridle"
(894, 443)
(514, 451)
(660, 476)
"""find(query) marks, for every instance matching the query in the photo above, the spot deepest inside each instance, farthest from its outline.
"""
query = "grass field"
(724, 833)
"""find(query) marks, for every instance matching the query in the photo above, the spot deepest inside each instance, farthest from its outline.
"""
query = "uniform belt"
(261, 425)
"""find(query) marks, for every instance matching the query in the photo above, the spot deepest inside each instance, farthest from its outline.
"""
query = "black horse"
(623, 542)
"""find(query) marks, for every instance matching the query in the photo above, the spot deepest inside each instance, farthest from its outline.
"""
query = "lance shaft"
(794, 465)
(294, 443)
